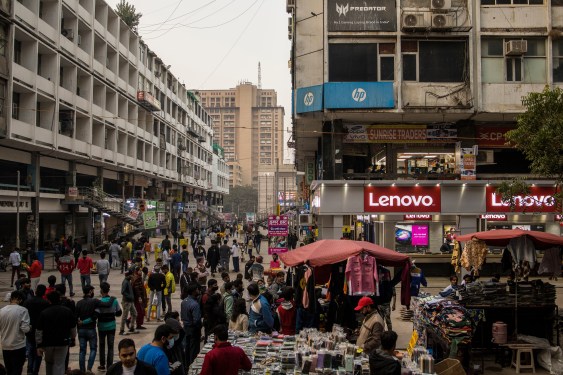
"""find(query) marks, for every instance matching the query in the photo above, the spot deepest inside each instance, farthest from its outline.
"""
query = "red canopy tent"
(326, 252)
(502, 237)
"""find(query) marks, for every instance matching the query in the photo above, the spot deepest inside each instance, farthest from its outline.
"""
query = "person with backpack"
(107, 326)
(156, 283)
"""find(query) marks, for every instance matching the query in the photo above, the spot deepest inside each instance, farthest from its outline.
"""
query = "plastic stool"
(517, 359)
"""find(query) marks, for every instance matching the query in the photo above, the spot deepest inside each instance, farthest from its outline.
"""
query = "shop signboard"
(467, 161)
(250, 217)
(228, 217)
(151, 205)
(277, 250)
(160, 206)
(402, 199)
(10, 204)
(495, 217)
(309, 99)
(540, 199)
(398, 133)
(278, 225)
(492, 136)
(362, 15)
(72, 191)
(190, 207)
(133, 214)
(414, 217)
(359, 95)
(149, 219)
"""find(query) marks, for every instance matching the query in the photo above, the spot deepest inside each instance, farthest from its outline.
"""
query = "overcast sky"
(215, 44)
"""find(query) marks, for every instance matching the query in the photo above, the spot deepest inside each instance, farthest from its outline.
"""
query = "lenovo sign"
(402, 199)
(540, 199)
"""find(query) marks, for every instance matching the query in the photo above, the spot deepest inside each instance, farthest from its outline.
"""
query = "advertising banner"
(359, 95)
(250, 217)
(423, 217)
(420, 235)
(160, 206)
(402, 199)
(540, 199)
(466, 159)
(149, 219)
(362, 15)
(133, 214)
(278, 225)
(492, 136)
(309, 99)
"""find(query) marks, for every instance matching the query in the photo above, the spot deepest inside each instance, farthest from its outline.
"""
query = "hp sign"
(309, 99)
(359, 94)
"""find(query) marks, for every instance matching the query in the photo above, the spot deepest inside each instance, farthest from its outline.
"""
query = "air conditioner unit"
(515, 47)
(441, 4)
(68, 33)
(443, 21)
(416, 20)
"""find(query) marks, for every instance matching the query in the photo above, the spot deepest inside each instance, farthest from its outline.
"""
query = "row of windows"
(443, 61)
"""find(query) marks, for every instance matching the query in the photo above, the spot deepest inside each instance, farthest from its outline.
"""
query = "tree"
(241, 199)
(539, 135)
(128, 14)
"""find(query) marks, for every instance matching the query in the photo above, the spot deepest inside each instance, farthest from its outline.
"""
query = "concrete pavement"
(403, 328)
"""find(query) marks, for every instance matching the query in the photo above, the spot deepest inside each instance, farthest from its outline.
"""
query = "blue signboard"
(359, 95)
(309, 99)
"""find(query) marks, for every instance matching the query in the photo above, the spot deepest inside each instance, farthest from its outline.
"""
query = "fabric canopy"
(325, 252)
(502, 237)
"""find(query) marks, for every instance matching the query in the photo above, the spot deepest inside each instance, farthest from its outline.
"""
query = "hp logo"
(309, 99)
(359, 95)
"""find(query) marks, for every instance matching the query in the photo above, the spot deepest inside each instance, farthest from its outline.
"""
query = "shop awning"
(502, 237)
(325, 252)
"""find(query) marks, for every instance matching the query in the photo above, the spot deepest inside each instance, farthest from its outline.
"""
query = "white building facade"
(91, 105)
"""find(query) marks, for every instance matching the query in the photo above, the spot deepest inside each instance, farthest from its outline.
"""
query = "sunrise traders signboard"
(362, 15)
(399, 133)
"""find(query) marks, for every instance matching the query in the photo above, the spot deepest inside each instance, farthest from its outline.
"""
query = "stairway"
(106, 203)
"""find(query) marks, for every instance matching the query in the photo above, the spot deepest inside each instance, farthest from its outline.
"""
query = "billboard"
(359, 95)
(402, 199)
(362, 15)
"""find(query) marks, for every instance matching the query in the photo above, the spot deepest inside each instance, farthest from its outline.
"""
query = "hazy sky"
(214, 44)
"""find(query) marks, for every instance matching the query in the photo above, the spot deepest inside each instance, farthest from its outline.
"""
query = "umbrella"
(325, 252)
(502, 237)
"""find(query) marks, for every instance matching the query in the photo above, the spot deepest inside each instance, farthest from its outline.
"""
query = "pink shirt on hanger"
(361, 274)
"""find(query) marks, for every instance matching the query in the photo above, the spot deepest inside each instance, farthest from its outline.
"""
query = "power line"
(148, 26)
(233, 45)
(170, 15)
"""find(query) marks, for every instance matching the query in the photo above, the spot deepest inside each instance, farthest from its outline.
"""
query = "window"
(387, 61)
(558, 60)
(16, 105)
(512, 2)
(17, 52)
(352, 62)
(529, 67)
(3, 39)
(434, 61)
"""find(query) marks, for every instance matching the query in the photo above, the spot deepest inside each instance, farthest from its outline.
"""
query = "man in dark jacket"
(55, 331)
(382, 361)
(156, 283)
(224, 256)
(34, 306)
(213, 258)
(107, 326)
(128, 360)
(128, 304)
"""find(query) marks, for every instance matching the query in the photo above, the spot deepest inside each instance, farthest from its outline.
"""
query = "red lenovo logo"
(402, 199)
(540, 200)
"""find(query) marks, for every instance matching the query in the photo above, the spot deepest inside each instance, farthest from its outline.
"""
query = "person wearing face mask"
(153, 353)
(175, 353)
(129, 364)
(14, 324)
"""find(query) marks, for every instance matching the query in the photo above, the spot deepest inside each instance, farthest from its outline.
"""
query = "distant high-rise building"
(248, 124)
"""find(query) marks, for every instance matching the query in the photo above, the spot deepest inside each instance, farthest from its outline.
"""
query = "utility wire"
(233, 45)
(180, 16)
(170, 15)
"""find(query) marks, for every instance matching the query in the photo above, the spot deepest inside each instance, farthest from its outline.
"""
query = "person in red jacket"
(65, 265)
(85, 265)
(34, 271)
(224, 359)
(287, 312)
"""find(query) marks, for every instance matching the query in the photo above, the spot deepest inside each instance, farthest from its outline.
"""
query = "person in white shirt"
(165, 257)
(103, 267)
(14, 324)
(15, 262)
(235, 252)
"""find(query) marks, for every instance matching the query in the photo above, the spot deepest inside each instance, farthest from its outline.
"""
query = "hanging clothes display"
(551, 262)
(473, 256)
(361, 274)
(455, 257)
(522, 249)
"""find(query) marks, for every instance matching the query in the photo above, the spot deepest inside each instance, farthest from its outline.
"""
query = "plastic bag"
(550, 357)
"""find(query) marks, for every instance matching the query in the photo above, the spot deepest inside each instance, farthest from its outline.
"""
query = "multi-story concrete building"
(92, 106)
(248, 124)
(392, 97)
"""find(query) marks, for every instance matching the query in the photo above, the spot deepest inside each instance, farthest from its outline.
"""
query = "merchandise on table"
(502, 294)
